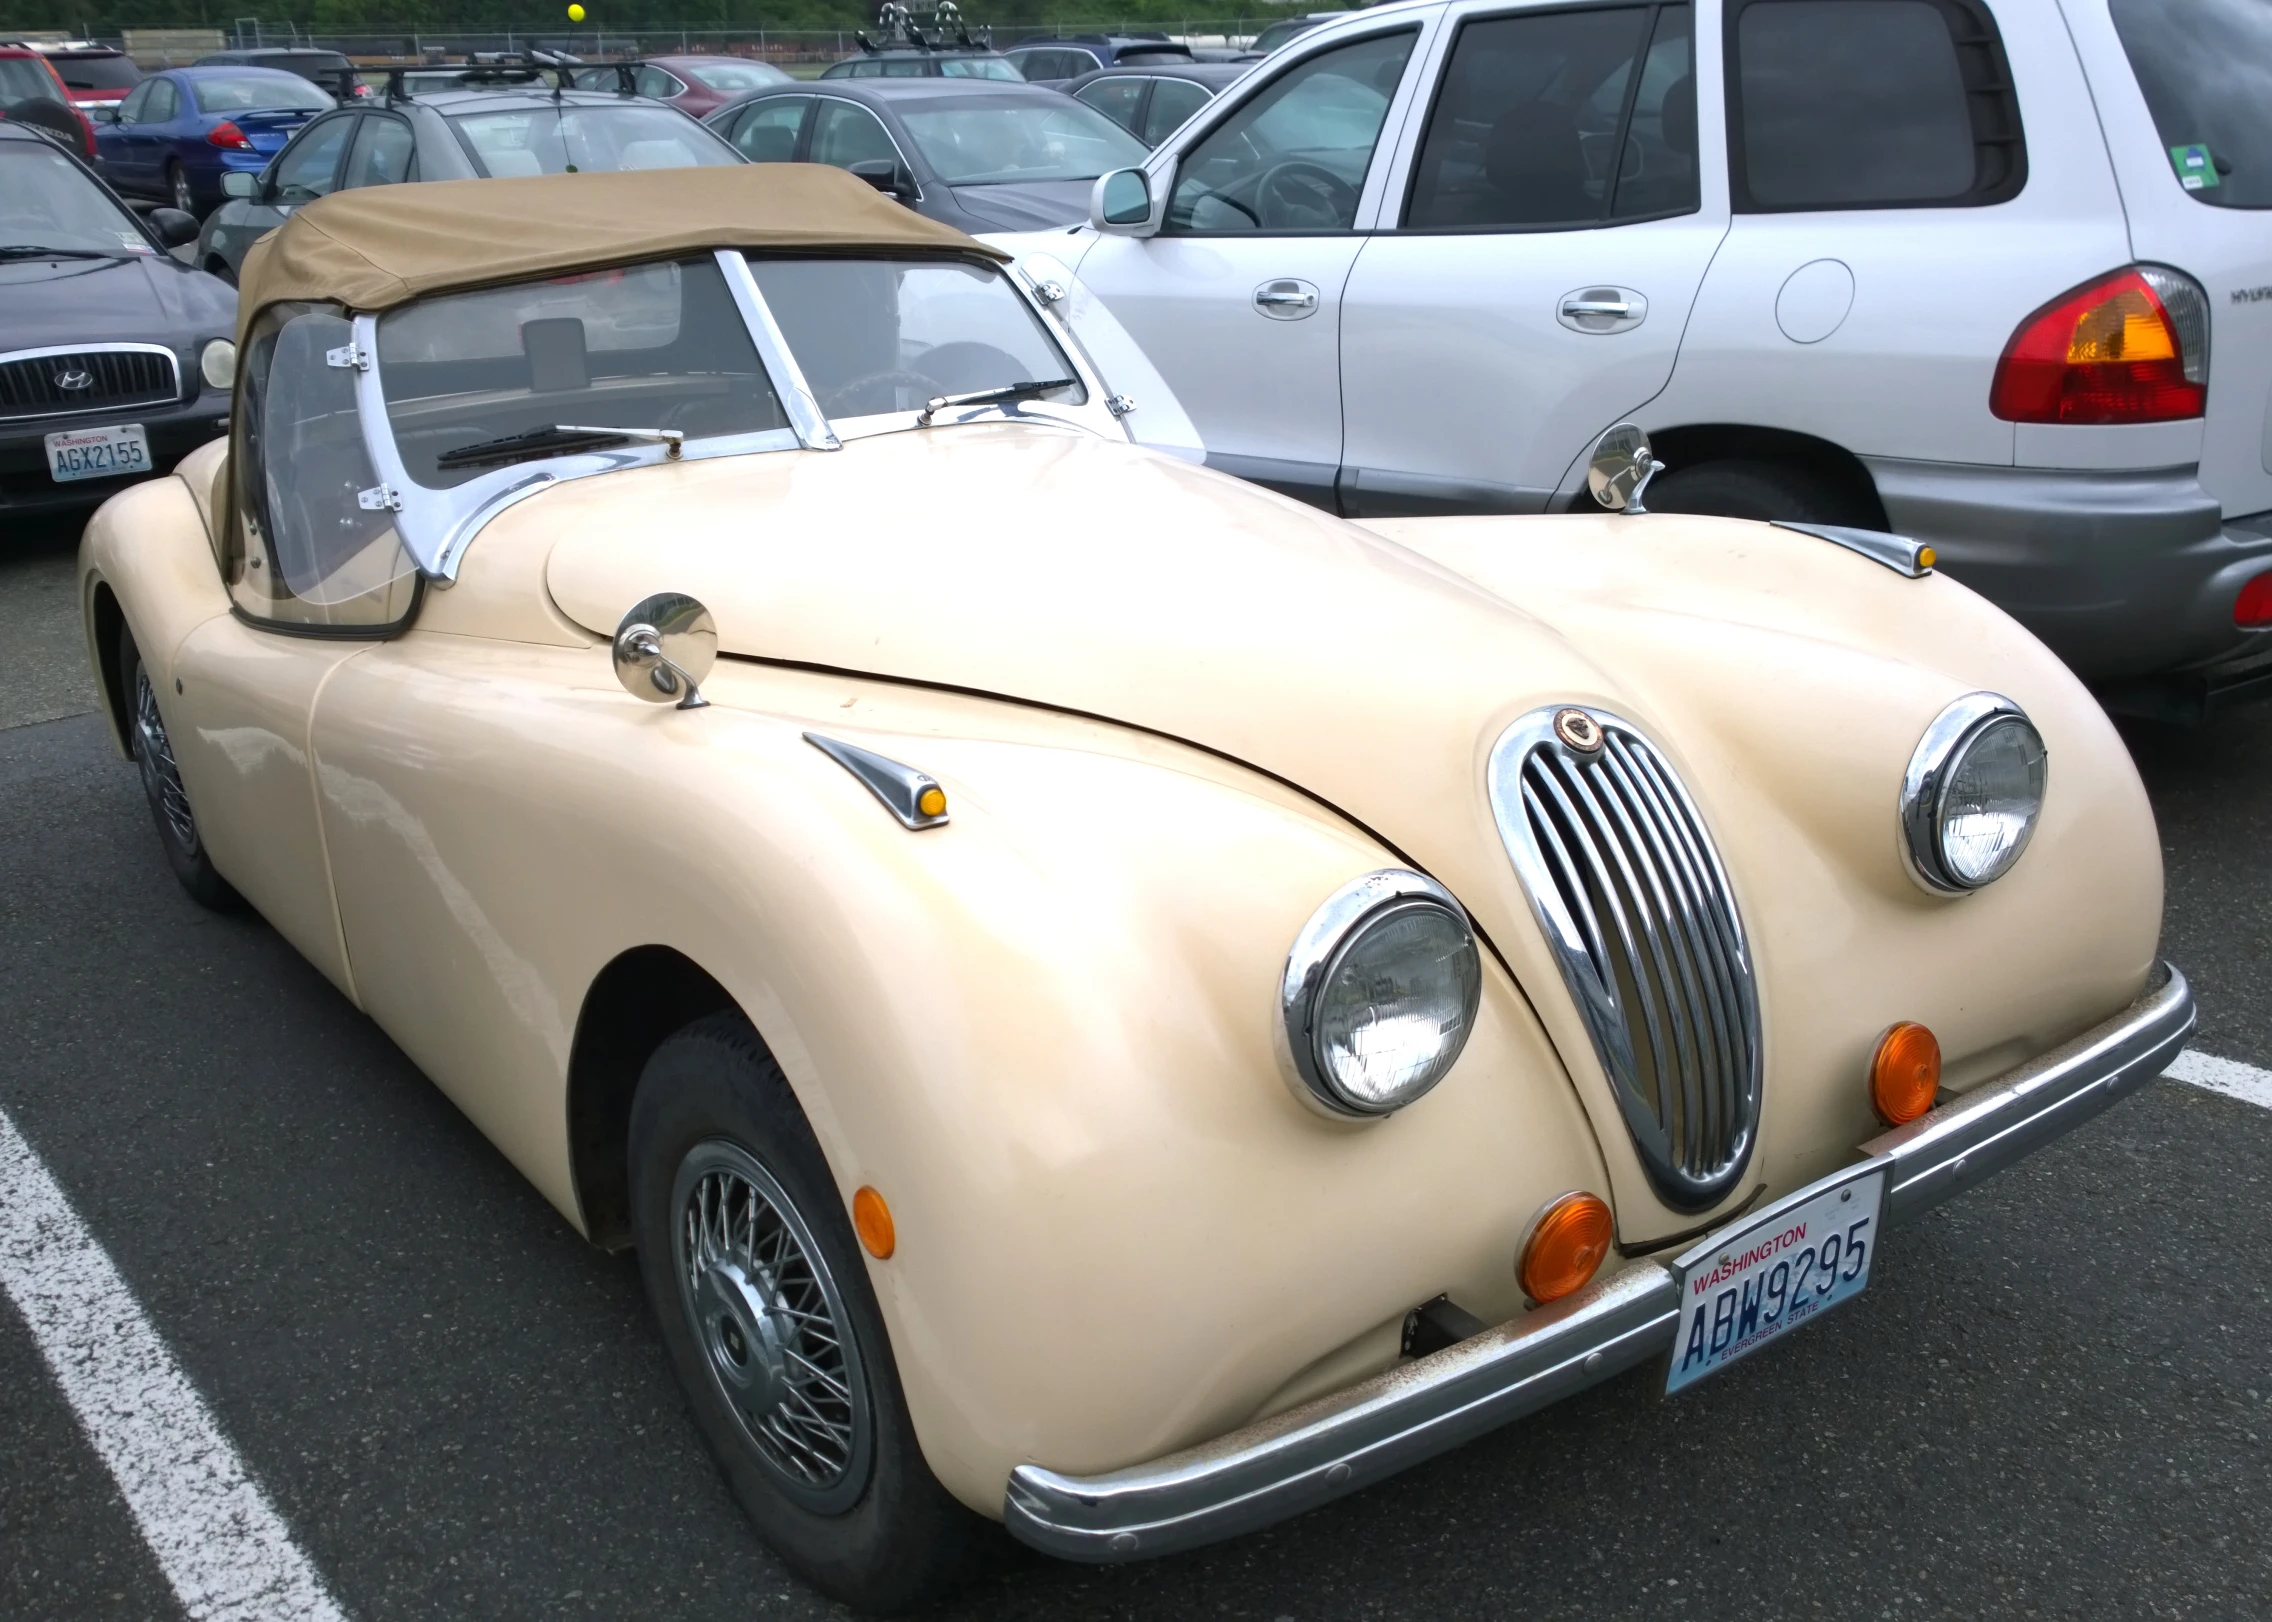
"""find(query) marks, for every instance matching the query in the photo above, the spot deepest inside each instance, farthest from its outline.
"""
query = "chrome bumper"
(1296, 1460)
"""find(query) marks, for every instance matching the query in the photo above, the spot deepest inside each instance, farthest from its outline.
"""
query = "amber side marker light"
(932, 802)
(871, 1218)
(1905, 1077)
(1567, 1244)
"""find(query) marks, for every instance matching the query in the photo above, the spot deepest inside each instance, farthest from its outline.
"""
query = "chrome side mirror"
(1620, 468)
(1121, 203)
(663, 649)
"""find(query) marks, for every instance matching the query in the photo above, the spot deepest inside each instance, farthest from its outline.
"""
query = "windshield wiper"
(32, 250)
(1001, 396)
(555, 439)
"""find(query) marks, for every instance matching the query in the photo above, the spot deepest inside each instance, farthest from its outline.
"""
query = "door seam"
(323, 833)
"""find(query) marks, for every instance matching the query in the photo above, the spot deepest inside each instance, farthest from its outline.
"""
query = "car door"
(115, 141)
(1237, 297)
(768, 131)
(166, 117)
(1550, 224)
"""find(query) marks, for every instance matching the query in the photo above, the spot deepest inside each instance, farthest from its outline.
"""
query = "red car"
(695, 85)
(32, 93)
(94, 76)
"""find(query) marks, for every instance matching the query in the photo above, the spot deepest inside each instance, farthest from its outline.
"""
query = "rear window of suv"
(1839, 104)
(2208, 82)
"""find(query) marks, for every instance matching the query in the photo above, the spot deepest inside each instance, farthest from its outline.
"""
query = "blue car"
(179, 132)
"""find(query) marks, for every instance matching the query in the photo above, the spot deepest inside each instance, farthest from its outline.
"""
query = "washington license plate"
(1785, 1267)
(98, 453)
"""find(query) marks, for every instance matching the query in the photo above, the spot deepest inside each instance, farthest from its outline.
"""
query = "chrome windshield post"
(805, 414)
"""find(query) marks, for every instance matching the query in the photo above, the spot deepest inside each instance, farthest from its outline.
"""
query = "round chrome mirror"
(1620, 467)
(664, 648)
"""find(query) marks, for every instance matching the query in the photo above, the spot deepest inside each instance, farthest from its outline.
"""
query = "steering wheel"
(857, 398)
(1298, 194)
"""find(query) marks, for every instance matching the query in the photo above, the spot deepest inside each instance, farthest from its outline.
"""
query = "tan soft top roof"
(379, 246)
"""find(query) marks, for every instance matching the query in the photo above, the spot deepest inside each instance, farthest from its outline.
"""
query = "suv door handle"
(1287, 299)
(1603, 309)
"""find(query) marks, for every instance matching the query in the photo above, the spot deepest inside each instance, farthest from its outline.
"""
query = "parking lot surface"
(2052, 1401)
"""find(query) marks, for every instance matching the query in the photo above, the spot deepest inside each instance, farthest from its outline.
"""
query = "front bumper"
(1336, 1444)
(2122, 574)
(175, 428)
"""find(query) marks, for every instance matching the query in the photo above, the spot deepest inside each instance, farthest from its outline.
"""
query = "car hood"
(1027, 205)
(144, 299)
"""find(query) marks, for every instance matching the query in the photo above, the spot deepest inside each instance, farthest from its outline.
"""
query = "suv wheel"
(1760, 490)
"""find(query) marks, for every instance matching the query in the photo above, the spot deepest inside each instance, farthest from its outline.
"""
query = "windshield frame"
(438, 524)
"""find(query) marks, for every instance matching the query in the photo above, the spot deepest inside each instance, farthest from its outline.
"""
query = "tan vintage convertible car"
(1106, 999)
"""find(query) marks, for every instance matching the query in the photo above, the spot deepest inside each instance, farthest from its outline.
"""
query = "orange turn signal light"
(1905, 1076)
(871, 1219)
(1567, 1244)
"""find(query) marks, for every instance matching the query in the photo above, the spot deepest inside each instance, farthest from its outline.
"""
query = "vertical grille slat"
(1637, 906)
(117, 377)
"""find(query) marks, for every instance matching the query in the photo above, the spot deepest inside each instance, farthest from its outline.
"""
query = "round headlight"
(218, 364)
(1380, 994)
(1973, 793)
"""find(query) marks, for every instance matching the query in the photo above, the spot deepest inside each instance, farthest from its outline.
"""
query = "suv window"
(1869, 104)
(93, 72)
(2208, 84)
(309, 167)
(1293, 158)
(1540, 123)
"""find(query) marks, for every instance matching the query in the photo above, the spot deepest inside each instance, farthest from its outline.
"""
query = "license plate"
(98, 453)
(1773, 1272)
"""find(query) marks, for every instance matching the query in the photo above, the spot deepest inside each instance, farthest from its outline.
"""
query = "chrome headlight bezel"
(217, 364)
(1954, 733)
(1323, 946)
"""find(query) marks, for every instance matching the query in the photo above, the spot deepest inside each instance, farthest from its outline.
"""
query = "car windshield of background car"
(47, 202)
(1293, 158)
(875, 335)
(257, 93)
(589, 140)
(97, 72)
(1527, 121)
(658, 346)
(1279, 33)
(2208, 83)
(24, 78)
(980, 67)
(732, 78)
(988, 145)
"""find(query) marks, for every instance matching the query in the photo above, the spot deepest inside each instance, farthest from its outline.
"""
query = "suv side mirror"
(1121, 204)
(885, 175)
(239, 183)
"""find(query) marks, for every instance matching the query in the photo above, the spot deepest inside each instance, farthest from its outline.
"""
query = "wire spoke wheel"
(161, 780)
(771, 1327)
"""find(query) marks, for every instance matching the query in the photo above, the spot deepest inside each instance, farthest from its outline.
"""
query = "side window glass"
(1540, 123)
(1294, 157)
(1869, 104)
(767, 132)
(130, 110)
(164, 102)
(1117, 99)
(382, 155)
(307, 169)
(313, 554)
(865, 69)
(844, 134)
(907, 67)
(1173, 101)
(653, 81)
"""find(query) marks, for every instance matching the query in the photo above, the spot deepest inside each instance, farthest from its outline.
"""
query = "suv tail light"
(2130, 347)
(2252, 609)
(227, 134)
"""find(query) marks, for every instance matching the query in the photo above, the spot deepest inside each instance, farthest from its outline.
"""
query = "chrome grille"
(1626, 883)
(116, 376)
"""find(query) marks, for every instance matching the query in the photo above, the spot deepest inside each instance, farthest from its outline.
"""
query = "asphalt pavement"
(2054, 1399)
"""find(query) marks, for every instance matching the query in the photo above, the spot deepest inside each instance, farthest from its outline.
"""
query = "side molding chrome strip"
(1309, 1455)
(901, 788)
(1897, 552)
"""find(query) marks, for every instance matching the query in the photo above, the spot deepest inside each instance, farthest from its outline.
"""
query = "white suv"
(1995, 273)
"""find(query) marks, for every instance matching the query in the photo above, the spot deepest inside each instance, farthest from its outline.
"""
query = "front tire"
(762, 1295)
(161, 783)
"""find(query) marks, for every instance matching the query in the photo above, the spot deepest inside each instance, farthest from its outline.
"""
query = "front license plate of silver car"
(98, 453)
(1773, 1272)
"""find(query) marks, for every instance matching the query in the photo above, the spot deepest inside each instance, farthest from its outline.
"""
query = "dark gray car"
(1151, 102)
(977, 156)
(474, 133)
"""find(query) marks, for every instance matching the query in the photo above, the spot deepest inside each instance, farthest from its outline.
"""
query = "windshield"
(257, 92)
(2208, 81)
(988, 143)
(47, 202)
(884, 335)
(650, 347)
(981, 67)
(731, 78)
(566, 140)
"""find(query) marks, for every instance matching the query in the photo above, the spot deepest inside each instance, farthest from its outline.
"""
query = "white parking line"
(2227, 1076)
(227, 1553)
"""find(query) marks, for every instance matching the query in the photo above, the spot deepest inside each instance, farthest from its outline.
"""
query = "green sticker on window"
(2196, 170)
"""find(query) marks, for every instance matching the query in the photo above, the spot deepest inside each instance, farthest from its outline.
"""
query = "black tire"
(881, 1533)
(1761, 490)
(169, 802)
